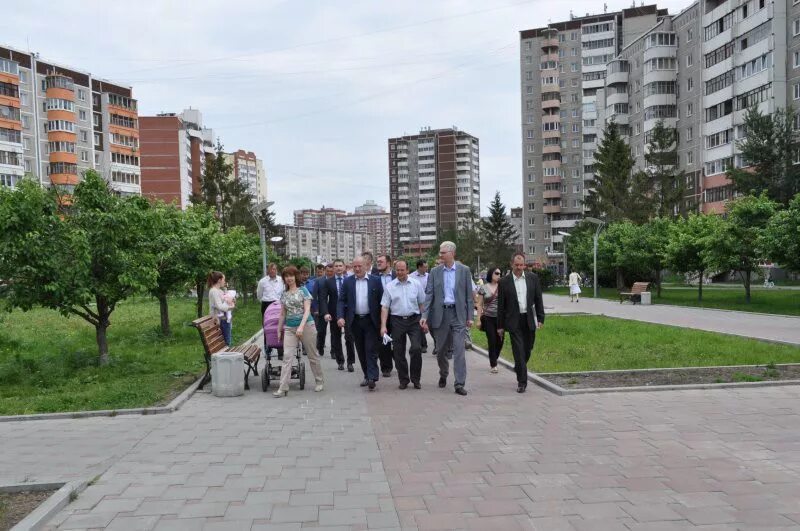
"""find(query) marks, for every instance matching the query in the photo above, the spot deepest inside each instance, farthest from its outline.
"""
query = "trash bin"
(227, 374)
(645, 298)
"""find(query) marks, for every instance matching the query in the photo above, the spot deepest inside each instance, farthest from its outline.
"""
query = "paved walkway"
(780, 328)
(495, 460)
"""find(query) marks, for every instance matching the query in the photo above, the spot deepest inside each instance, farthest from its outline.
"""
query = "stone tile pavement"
(429, 459)
(782, 328)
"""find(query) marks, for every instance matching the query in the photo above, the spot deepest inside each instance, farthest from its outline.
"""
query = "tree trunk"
(658, 283)
(746, 278)
(200, 288)
(162, 302)
(620, 279)
(700, 286)
(100, 329)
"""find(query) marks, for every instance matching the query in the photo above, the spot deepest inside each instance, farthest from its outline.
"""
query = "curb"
(51, 506)
(173, 406)
(560, 391)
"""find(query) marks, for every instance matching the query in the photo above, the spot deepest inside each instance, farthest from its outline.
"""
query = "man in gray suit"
(449, 312)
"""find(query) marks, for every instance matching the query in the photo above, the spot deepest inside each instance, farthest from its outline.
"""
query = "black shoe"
(350, 367)
(403, 386)
(417, 385)
(461, 391)
(371, 385)
(341, 366)
(333, 357)
(386, 374)
(364, 383)
(521, 389)
(442, 382)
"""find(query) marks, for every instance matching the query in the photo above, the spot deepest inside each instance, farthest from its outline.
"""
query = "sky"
(313, 87)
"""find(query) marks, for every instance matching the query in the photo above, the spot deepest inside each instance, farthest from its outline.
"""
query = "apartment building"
(562, 66)
(700, 71)
(369, 217)
(249, 169)
(323, 245)
(56, 122)
(434, 183)
(174, 149)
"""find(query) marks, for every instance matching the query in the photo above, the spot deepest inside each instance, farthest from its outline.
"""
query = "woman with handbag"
(487, 315)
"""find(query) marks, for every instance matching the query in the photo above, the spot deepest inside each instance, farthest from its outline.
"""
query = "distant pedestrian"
(575, 286)
(520, 311)
(219, 306)
(487, 315)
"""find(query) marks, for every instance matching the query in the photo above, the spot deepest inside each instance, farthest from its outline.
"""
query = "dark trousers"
(365, 337)
(225, 326)
(494, 341)
(386, 352)
(402, 328)
(522, 339)
(322, 329)
(267, 348)
(424, 342)
(336, 343)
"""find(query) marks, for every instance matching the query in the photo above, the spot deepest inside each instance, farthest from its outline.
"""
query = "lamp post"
(600, 223)
(565, 235)
(257, 211)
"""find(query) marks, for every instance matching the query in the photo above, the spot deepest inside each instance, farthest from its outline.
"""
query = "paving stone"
(132, 523)
(294, 514)
(332, 517)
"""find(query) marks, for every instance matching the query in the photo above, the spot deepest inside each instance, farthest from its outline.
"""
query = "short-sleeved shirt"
(489, 300)
(293, 304)
(403, 298)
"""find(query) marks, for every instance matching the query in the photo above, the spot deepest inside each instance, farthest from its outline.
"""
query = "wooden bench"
(635, 294)
(213, 342)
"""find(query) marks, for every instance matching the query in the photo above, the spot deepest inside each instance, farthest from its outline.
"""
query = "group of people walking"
(384, 312)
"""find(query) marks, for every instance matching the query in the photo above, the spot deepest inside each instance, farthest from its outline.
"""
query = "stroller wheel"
(301, 374)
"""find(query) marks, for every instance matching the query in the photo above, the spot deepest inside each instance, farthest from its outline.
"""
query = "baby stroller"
(271, 317)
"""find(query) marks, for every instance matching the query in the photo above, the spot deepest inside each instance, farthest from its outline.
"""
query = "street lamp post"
(565, 235)
(600, 223)
(256, 211)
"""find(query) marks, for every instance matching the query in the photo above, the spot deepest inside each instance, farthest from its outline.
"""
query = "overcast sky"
(314, 87)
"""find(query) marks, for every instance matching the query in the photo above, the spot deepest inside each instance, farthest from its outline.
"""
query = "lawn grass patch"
(578, 343)
(773, 301)
(48, 363)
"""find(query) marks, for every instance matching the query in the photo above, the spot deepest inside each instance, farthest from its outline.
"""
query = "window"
(718, 26)
(796, 59)
(84, 156)
(23, 77)
(120, 158)
(9, 89)
(82, 115)
(796, 27)
(719, 110)
(689, 60)
(690, 84)
(659, 111)
(720, 82)
(575, 128)
(660, 39)
(530, 133)
(719, 55)
(59, 104)
(7, 180)
(10, 135)
(719, 139)
(718, 166)
(754, 97)
(11, 158)
(755, 66)
(124, 177)
(689, 133)
(84, 135)
(61, 147)
(660, 63)
(81, 94)
(689, 109)
(689, 35)
(690, 157)
(24, 101)
(59, 125)
(97, 139)
(26, 121)
(796, 90)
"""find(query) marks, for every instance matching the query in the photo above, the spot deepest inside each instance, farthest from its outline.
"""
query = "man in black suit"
(329, 296)
(520, 311)
(359, 307)
(386, 352)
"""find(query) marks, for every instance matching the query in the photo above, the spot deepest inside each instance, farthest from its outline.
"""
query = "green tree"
(690, 246)
(668, 181)
(769, 149)
(242, 252)
(83, 262)
(618, 193)
(499, 236)
(782, 236)
(655, 238)
(227, 196)
(739, 244)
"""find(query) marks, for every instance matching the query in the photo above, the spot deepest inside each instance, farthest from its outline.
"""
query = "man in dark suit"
(386, 352)
(329, 297)
(319, 317)
(359, 307)
(520, 311)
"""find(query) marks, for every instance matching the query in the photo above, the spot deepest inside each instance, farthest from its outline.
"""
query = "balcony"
(551, 209)
(59, 82)
(551, 179)
(549, 42)
(551, 149)
(551, 194)
(551, 103)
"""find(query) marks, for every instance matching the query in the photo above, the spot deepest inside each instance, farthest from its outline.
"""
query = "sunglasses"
(496, 273)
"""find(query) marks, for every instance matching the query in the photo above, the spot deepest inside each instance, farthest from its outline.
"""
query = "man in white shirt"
(402, 303)
(270, 288)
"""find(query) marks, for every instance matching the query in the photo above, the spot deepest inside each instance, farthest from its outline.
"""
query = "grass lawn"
(591, 343)
(49, 363)
(776, 301)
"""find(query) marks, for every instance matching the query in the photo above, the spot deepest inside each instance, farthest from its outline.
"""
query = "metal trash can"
(227, 374)
(645, 298)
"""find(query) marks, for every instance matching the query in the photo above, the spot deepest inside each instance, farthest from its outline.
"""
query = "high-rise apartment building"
(57, 122)
(369, 217)
(249, 169)
(174, 148)
(562, 66)
(434, 183)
